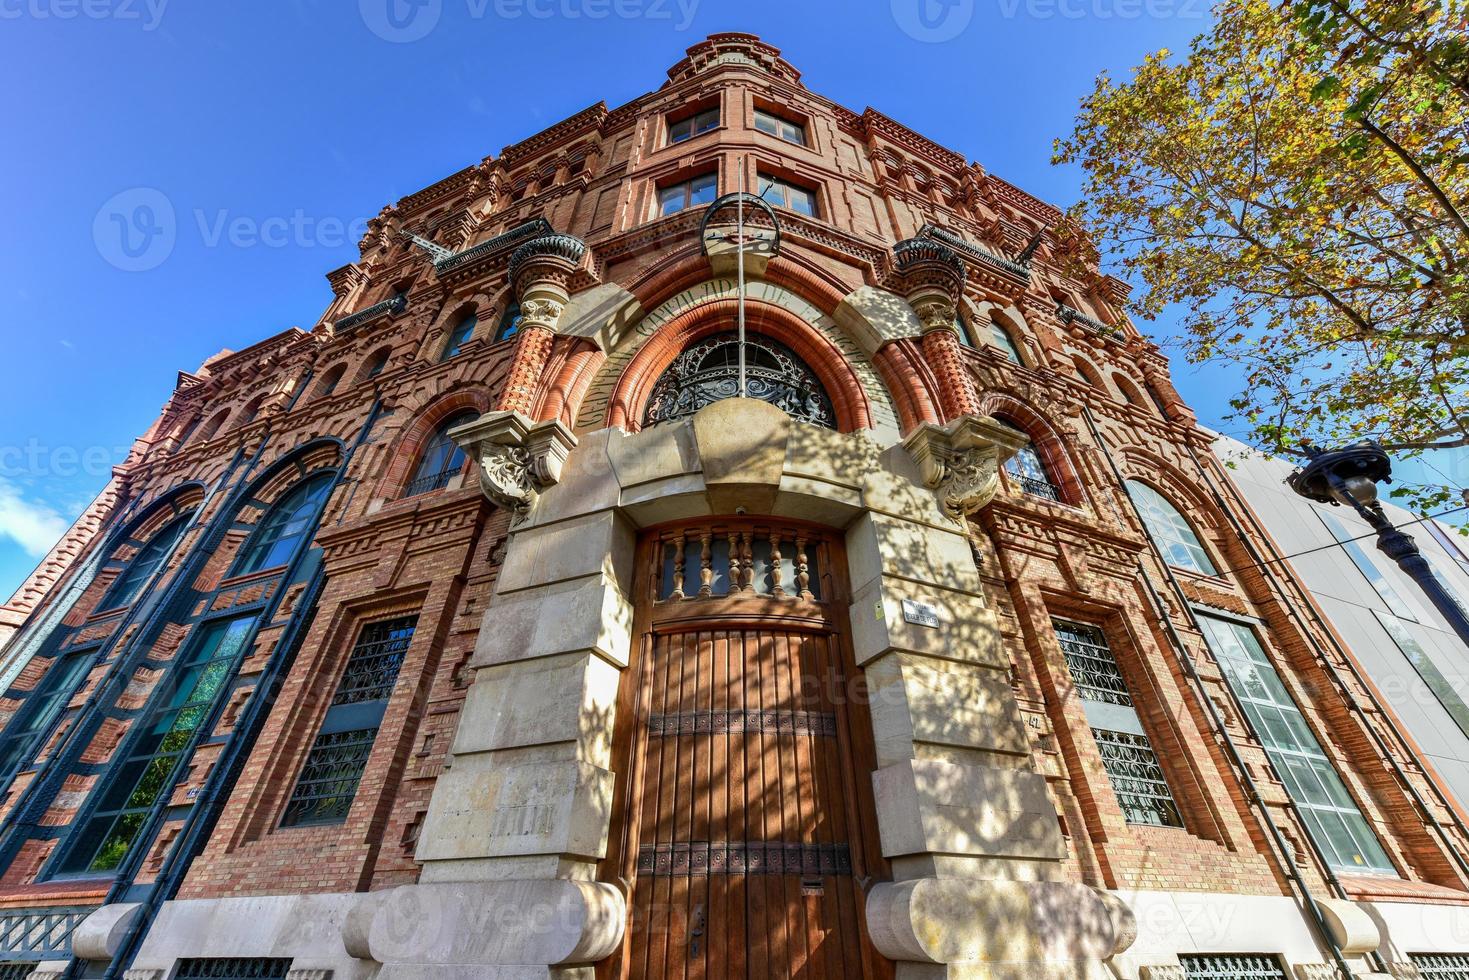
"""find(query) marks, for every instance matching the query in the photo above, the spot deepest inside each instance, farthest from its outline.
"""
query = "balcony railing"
(984, 255)
(1039, 488)
(1069, 315)
(429, 484)
(521, 233)
(388, 307)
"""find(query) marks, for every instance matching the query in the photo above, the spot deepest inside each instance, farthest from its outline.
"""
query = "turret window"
(687, 194)
(690, 126)
(784, 194)
(769, 122)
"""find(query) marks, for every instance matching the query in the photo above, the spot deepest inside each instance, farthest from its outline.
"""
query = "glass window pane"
(704, 189)
(1006, 343)
(1391, 597)
(1331, 815)
(766, 123)
(1175, 536)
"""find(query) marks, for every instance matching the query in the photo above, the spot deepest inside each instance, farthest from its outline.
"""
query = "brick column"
(540, 272)
(933, 280)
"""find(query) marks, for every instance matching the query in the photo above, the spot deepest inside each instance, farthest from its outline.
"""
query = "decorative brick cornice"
(890, 129)
(589, 119)
(719, 50)
(434, 192)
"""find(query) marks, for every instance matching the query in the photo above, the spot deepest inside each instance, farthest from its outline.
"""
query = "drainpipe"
(1252, 793)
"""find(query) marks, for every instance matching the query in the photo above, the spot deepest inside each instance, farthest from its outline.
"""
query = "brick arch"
(690, 268)
(298, 464)
(823, 358)
(573, 377)
(410, 442)
(1044, 437)
(1192, 501)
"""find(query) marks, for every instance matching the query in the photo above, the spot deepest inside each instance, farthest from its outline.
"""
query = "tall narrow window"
(784, 194)
(442, 458)
(690, 126)
(42, 706)
(333, 768)
(330, 381)
(1171, 530)
(462, 334)
(687, 194)
(1433, 678)
(1001, 337)
(286, 527)
(509, 322)
(1395, 601)
(183, 702)
(1027, 469)
(963, 329)
(769, 122)
(1132, 766)
(376, 364)
(1331, 815)
(145, 563)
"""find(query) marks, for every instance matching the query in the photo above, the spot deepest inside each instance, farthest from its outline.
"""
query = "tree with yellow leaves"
(1299, 183)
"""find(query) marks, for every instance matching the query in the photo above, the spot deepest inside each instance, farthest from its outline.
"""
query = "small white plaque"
(920, 614)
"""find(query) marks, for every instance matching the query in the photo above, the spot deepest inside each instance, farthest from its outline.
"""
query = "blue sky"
(269, 129)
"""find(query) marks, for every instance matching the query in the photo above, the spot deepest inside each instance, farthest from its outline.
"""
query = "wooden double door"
(744, 828)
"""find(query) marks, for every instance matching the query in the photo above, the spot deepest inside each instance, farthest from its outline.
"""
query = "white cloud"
(35, 527)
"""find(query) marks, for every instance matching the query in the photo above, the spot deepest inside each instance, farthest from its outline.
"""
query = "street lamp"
(1350, 476)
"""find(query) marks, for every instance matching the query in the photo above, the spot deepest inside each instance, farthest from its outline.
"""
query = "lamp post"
(1350, 476)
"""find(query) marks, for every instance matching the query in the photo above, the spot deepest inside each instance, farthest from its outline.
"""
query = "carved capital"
(936, 312)
(541, 313)
(517, 458)
(962, 460)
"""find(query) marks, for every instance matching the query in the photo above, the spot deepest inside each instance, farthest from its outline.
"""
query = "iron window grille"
(1093, 668)
(1249, 967)
(372, 670)
(1039, 488)
(16, 971)
(233, 968)
(328, 782)
(1439, 966)
(709, 372)
(333, 769)
(1027, 469)
(1137, 778)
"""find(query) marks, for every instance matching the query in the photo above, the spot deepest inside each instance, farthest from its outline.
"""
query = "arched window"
(442, 459)
(1028, 469)
(285, 527)
(462, 334)
(1127, 390)
(248, 413)
(1175, 536)
(709, 372)
(963, 329)
(1089, 374)
(376, 363)
(145, 563)
(330, 380)
(509, 323)
(212, 427)
(1002, 338)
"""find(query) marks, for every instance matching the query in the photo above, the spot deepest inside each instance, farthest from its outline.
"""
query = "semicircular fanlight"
(708, 371)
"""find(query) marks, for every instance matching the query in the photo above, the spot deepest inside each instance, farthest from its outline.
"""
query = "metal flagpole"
(740, 263)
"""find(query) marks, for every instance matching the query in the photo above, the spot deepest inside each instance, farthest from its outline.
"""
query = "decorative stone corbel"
(517, 458)
(962, 460)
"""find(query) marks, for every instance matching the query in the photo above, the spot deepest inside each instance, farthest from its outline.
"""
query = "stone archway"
(520, 819)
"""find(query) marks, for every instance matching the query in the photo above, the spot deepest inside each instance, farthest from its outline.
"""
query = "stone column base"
(960, 929)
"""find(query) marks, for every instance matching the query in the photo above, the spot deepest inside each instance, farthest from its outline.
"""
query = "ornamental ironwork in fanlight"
(709, 371)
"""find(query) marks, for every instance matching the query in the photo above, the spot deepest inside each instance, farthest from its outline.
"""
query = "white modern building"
(1406, 647)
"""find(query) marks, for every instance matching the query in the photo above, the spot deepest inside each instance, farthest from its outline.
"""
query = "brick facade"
(361, 394)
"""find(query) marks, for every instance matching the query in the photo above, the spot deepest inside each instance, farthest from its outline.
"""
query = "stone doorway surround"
(520, 818)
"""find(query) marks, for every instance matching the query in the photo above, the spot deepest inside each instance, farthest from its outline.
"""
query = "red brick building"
(505, 625)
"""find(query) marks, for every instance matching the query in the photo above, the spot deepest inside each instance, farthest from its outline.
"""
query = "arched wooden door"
(744, 827)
